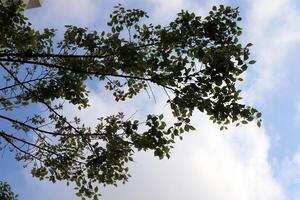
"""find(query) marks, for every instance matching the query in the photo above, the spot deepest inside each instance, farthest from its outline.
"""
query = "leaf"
(244, 122)
(259, 123)
(258, 115)
(252, 62)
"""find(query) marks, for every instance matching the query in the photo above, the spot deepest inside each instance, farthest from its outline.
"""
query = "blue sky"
(245, 163)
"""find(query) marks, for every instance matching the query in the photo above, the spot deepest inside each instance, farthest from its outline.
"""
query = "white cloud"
(289, 174)
(56, 14)
(208, 164)
(163, 11)
(102, 103)
(274, 28)
(36, 189)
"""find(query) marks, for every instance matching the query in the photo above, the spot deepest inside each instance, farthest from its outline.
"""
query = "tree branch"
(44, 131)
(21, 150)
(43, 102)
(29, 126)
(87, 72)
(6, 136)
(24, 82)
(45, 55)
(75, 70)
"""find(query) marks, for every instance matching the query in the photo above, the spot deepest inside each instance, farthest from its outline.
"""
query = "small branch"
(75, 69)
(45, 55)
(48, 106)
(87, 72)
(6, 136)
(21, 150)
(44, 131)
(29, 126)
(24, 82)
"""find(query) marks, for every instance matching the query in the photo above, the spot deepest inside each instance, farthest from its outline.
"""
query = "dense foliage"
(6, 193)
(196, 60)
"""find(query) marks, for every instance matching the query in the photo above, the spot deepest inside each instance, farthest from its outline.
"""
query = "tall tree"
(196, 60)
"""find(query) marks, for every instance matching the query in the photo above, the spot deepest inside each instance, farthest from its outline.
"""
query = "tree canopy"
(6, 193)
(196, 60)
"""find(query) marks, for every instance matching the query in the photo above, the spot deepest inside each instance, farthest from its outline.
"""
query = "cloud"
(207, 164)
(36, 189)
(56, 14)
(273, 27)
(289, 174)
(164, 11)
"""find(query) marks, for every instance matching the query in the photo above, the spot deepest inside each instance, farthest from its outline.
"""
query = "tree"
(6, 193)
(196, 60)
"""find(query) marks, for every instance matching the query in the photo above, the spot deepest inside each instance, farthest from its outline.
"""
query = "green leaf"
(252, 62)
(259, 123)
(258, 115)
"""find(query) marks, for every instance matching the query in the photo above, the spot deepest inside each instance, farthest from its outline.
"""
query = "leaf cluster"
(6, 193)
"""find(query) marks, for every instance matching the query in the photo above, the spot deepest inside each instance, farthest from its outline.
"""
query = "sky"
(244, 163)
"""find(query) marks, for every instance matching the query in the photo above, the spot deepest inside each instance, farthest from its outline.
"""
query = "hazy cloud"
(274, 28)
(56, 14)
(207, 164)
(289, 174)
